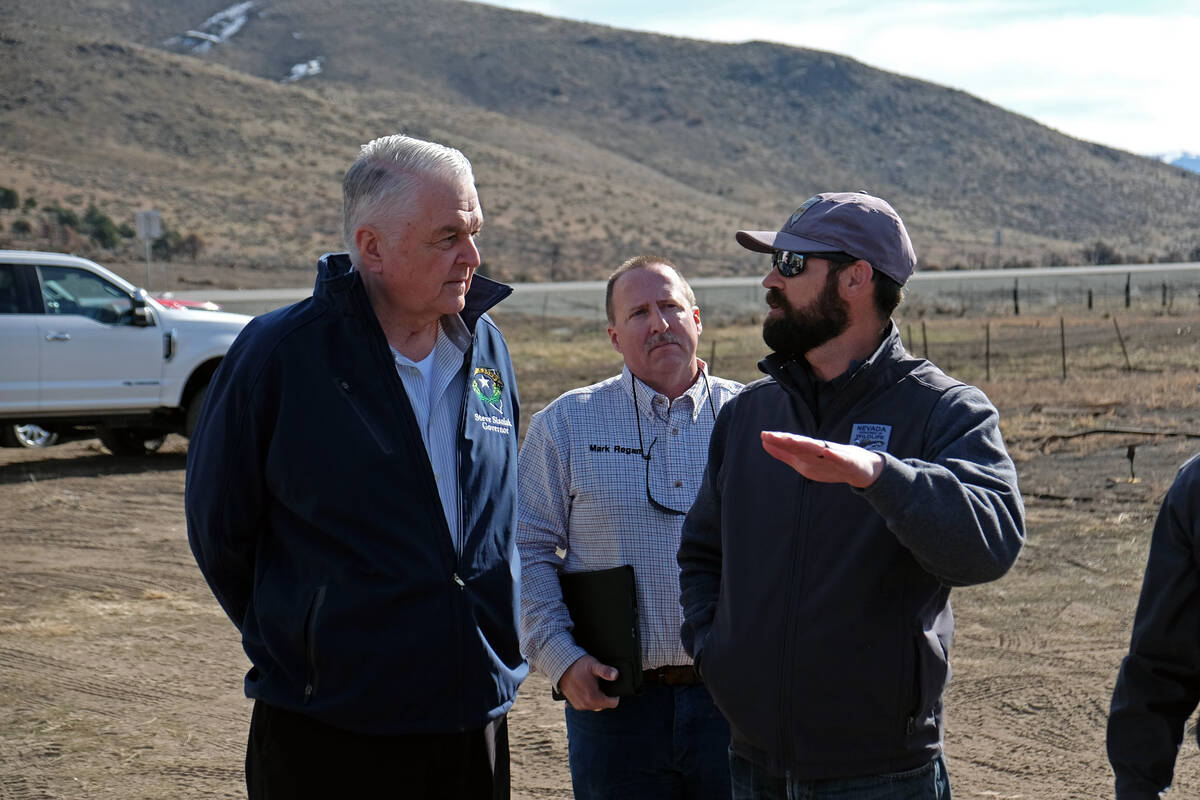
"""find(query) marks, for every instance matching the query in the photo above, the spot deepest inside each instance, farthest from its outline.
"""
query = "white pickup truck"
(80, 346)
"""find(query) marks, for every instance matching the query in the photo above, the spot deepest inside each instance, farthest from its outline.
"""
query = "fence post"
(1062, 341)
(987, 350)
(924, 341)
(712, 358)
(1124, 352)
(1128, 278)
(1016, 299)
(1089, 299)
(1164, 294)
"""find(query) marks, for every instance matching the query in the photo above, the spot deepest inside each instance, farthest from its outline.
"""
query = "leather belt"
(684, 675)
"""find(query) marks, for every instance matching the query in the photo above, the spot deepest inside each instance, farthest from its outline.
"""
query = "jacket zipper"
(460, 543)
(794, 580)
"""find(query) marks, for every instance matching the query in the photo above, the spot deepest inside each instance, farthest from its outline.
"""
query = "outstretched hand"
(581, 684)
(822, 461)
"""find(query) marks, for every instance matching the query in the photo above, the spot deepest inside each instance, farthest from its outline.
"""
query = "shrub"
(100, 227)
(64, 216)
(191, 246)
(8, 198)
(166, 245)
(1100, 253)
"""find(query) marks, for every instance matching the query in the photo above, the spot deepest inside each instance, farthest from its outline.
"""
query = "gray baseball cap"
(855, 223)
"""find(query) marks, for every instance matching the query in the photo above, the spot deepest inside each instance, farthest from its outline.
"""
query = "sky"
(1124, 73)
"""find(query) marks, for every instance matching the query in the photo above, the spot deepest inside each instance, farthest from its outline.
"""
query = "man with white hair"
(351, 491)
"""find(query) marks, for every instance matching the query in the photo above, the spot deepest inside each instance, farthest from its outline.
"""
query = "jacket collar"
(338, 283)
(890, 349)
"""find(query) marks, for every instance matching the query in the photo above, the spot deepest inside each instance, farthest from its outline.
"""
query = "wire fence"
(993, 349)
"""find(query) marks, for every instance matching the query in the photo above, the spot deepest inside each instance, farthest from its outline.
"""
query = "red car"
(170, 301)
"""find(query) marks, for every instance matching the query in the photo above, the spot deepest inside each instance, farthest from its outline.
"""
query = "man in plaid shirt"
(605, 476)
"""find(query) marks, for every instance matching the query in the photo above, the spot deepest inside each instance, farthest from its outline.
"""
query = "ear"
(369, 242)
(856, 279)
(696, 319)
(612, 337)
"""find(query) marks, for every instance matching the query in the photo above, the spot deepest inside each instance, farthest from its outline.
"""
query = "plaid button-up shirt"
(583, 506)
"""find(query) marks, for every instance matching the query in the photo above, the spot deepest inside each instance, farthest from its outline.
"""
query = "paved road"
(976, 291)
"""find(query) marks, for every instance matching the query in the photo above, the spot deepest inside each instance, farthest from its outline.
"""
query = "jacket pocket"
(347, 392)
(311, 673)
(930, 666)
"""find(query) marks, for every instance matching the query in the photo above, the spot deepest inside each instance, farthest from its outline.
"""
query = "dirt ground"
(120, 677)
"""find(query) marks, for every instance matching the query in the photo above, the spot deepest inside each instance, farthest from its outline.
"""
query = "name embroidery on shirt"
(871, 436)
(614, 448)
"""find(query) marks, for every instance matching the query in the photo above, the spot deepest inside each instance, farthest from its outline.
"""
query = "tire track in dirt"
(18, 787)
(66, 677)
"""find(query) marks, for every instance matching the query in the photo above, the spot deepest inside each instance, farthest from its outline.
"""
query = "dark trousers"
(294, 756)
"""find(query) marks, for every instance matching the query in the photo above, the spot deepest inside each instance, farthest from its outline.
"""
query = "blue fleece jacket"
(313, 513)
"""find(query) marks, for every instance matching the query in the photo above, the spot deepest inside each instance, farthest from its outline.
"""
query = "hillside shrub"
(64, 216)
(8, 198)
(100, 227)
(166, 245)
(1100, 253)
(172, 244)
(21, 226)
(191, 245)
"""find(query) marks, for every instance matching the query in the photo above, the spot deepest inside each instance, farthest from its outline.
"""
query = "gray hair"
(383, 176)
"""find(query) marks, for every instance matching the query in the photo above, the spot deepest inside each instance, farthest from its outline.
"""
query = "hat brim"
(770, 241)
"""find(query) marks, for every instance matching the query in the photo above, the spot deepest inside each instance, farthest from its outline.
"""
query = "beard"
(797, 331)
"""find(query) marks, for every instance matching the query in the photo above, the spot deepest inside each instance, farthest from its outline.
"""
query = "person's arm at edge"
(1158, 685)
(700, 549)
(225, 487)
(959, 511)
(543, 510)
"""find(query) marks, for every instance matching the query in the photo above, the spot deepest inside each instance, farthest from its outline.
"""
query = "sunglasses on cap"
(791, 264)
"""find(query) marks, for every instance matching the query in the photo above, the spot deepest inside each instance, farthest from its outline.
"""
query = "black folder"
(603, 606)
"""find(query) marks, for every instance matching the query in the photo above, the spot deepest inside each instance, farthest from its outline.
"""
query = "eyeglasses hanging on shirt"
(645, 451)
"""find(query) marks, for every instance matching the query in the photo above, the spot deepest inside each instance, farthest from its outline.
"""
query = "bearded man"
(844, 495)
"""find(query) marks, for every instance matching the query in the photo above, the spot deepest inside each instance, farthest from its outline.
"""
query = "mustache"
(666, 337)
(776, 298)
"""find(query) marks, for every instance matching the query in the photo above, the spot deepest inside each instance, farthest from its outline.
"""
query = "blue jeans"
(752, 782)
(670, 742)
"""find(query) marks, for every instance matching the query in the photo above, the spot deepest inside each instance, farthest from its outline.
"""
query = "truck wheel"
(26, 436)
(193, 411)
(130, 441)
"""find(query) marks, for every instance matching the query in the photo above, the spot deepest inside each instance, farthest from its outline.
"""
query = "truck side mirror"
(140, 313)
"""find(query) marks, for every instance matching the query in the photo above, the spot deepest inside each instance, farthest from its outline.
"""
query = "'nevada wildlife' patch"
(871, 436)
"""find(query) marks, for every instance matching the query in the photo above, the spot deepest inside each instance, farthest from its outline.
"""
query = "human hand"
(822, 461)
(580, 684)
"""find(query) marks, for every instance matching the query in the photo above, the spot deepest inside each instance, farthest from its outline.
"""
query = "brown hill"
(590, 143)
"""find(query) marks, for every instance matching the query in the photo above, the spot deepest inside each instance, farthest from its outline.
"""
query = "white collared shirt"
(437, 403)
